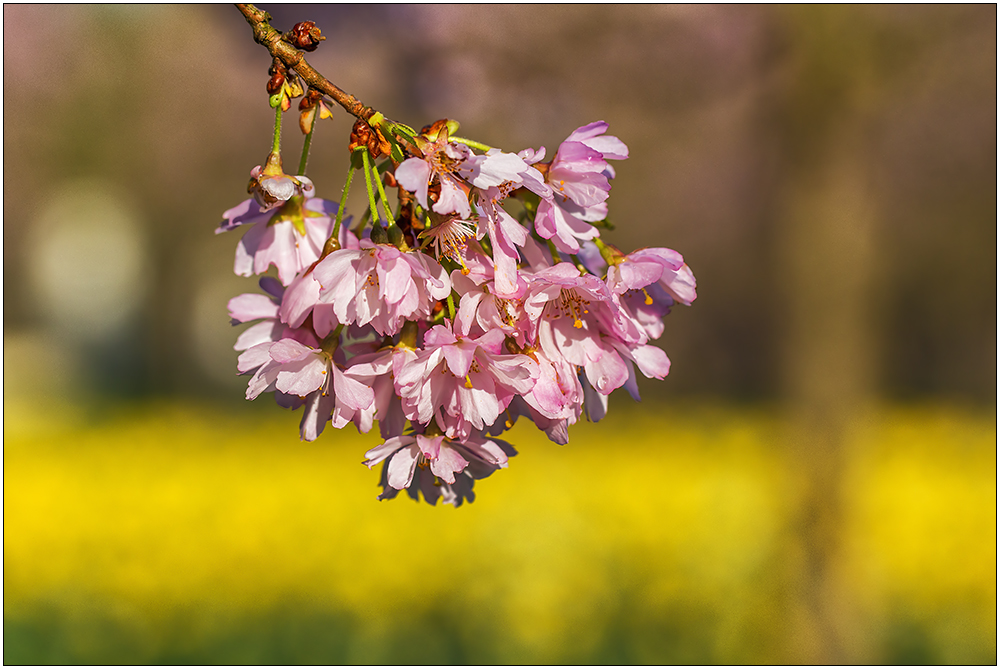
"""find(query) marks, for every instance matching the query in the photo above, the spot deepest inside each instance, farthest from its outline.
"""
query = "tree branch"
(271, 39)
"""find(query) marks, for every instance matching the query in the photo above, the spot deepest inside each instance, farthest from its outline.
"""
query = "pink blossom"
(310, 373)
(301, 299)
(381, 285)
(481, 309)
(664, 266)
(579, 177)
(291, 237)
(463, 383)
(576, 315)
(648, 282)
(264, 308)
(437, 465)
(441, 160)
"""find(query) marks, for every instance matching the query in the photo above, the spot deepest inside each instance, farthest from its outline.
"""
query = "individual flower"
(301, 299)
(481, 308)
(577, 315)
(648, 282)
(579, 177)
(439, 163)
(463, 383)
(265, 308)
(310, 373)
(270, 186)
(290, 237)
(381, 285)
(641, 268)
(438, 466)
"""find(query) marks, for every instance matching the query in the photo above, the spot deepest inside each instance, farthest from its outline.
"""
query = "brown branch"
(271, 39)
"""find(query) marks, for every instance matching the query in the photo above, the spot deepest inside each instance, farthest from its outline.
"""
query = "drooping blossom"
(310, 373)
(366, 330)
(579, 177)
(648, 282)
(264, 308)
(290, 237)
(439, 163)
(463, 383)
(380, 285)
(438, 466)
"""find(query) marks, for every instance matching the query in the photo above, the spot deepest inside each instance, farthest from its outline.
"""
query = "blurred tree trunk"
(826, 260)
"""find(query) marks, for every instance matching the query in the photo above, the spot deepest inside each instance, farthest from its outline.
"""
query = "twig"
(271, 39)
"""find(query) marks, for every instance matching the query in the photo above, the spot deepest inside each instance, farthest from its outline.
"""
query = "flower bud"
(363, 134)
(379, 235)
(278, 72)
(305, 35)
(270, 186)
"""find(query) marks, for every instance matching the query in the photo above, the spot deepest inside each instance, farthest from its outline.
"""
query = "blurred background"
(814, 482)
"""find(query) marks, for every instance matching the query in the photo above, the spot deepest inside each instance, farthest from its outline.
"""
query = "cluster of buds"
(488, 297)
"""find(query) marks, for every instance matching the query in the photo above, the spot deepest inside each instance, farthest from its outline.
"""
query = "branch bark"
(294, 59)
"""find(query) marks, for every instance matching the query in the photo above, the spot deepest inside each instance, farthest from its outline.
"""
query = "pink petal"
(351, 392)
(288, 350)
(607, 373)
(254, 357)
(402, 466)
(384, 450)
(265, 332)
(448, 463)
(429, 446)
(301, 377)
(252, 306)
(413, 174)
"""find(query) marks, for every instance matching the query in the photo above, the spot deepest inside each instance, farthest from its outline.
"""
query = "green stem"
(307, 144)
(471, 143)
(554, 251)
(579, 265)
(343, 203)
(451, 307)
(368, 183)
(276, 146)
(390, 219)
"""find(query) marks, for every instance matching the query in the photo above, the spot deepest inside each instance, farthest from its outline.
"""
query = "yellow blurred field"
(169, 533)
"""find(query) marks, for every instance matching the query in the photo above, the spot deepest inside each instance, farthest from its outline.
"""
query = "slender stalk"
(554, 251)
(451, 307)
(276, 145)
(390, 219)
(471, 143)
(368, 184)
(343, 203)
(307, 144)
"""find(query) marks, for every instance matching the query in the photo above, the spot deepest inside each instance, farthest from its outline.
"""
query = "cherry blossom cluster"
(488, 295)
